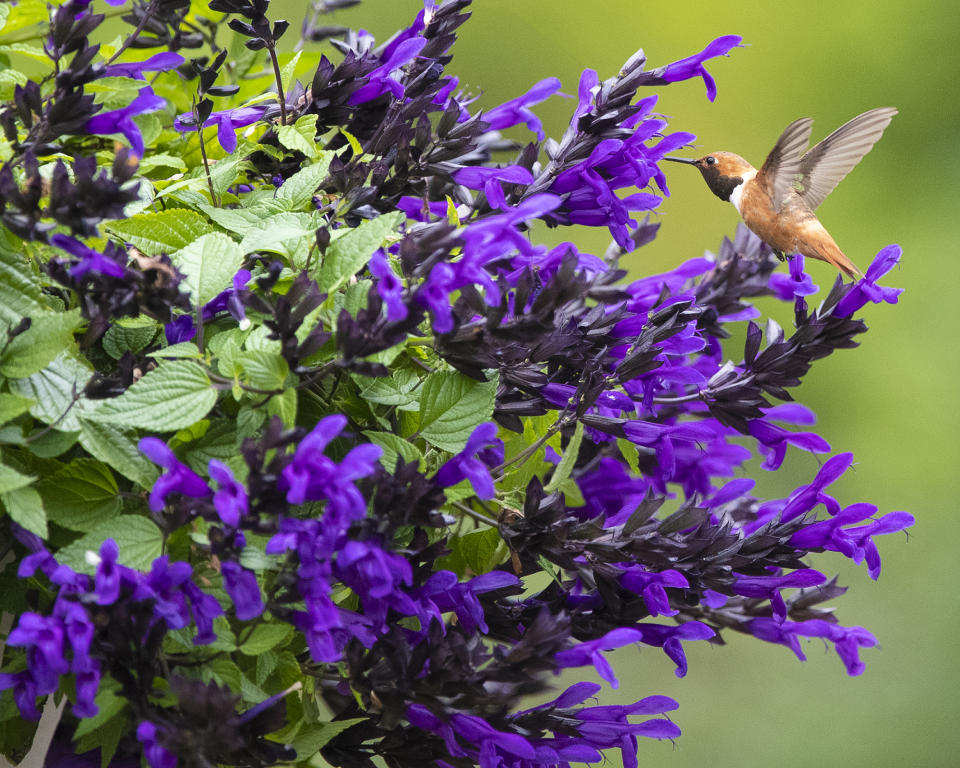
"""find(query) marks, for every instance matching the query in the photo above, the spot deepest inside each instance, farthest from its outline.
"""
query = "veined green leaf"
(351, 252)
(80, 495)
(138, 542)
(170, 397)
(25, 508)
(208, 264)
(33, 350)
(56, 392)
(162, 232)
(452, 406)
(119, 451)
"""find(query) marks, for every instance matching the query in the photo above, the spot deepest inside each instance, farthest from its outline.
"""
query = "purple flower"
(652, 585)
(178, 478)
(42, 636)
(669, 639)
(692, 66)
(518, 110)
(108, 575)
(24, 692)
(180, 329)
(88, 683)
(164, 585)
(847, 640)
(313, 476)
(160, 62)
(768, 587)
(489, 180)
(231, 300)
(866, 288)
(227, 122)
(797, 283)
(230, 500)
(389, 287)
(156, 755)
(467, 465)
(205, 609)
(773, 442)
(243, 589)
(90, 260)
(434, 295)
(121, 120)
(443, 593)
(384, 78)
(589, 652)
(837, 534)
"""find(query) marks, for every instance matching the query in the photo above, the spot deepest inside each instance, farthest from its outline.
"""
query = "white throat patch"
(737, 193)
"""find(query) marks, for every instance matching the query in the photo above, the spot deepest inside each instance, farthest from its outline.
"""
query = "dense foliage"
(311, 453)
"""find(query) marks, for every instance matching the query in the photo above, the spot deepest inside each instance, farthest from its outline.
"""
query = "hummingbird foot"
(780, 255)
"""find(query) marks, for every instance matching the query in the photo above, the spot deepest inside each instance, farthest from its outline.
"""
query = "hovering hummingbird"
(777, 202)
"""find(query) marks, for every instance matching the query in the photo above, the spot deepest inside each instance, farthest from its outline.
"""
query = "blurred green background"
(891, 401)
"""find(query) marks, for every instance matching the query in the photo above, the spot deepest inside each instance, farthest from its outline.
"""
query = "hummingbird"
(778, 202)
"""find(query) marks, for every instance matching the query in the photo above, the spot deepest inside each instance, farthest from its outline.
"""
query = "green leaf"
(20, 287)
(565, 467)
(138, 541)
(299, 137)
(218, 442)
(170, 397)
(314, 737)
(160, 160)
(163, 232)
(297, 191)
(288, 70)
(236, 220)
(33, 350)
(185, 349)
(47, 443)
(264, 637)
(284, 406)
(208, 264)
(350, 253)
(399, 389)
(264, 369)
(106, 736)
(452, 406)
(117, 450)
(80, 495)
(109, 705)
(56, 391)
(10, 79)
(393, 446)
(478, 550)
(28, 13)
(119, 339)
(12, 406)
(25, 507)
(286, 234)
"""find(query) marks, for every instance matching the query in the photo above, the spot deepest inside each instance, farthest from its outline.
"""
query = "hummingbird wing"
(825, 165)
(783, 163)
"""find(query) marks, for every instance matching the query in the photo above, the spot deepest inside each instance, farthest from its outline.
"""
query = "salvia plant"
(312, 454)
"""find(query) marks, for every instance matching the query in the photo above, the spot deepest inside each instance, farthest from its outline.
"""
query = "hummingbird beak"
(680, 160)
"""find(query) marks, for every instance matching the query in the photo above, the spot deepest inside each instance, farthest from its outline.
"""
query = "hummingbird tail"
(825, 249)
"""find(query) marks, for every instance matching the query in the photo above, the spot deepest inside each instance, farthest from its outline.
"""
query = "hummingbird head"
(723, 171)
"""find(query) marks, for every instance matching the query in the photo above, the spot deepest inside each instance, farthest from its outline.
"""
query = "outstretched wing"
(783, 163)
(825, 165)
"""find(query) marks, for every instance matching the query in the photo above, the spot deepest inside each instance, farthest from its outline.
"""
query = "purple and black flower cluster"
(395, 435)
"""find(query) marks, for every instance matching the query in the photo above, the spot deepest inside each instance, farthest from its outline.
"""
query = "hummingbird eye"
(711, 160)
